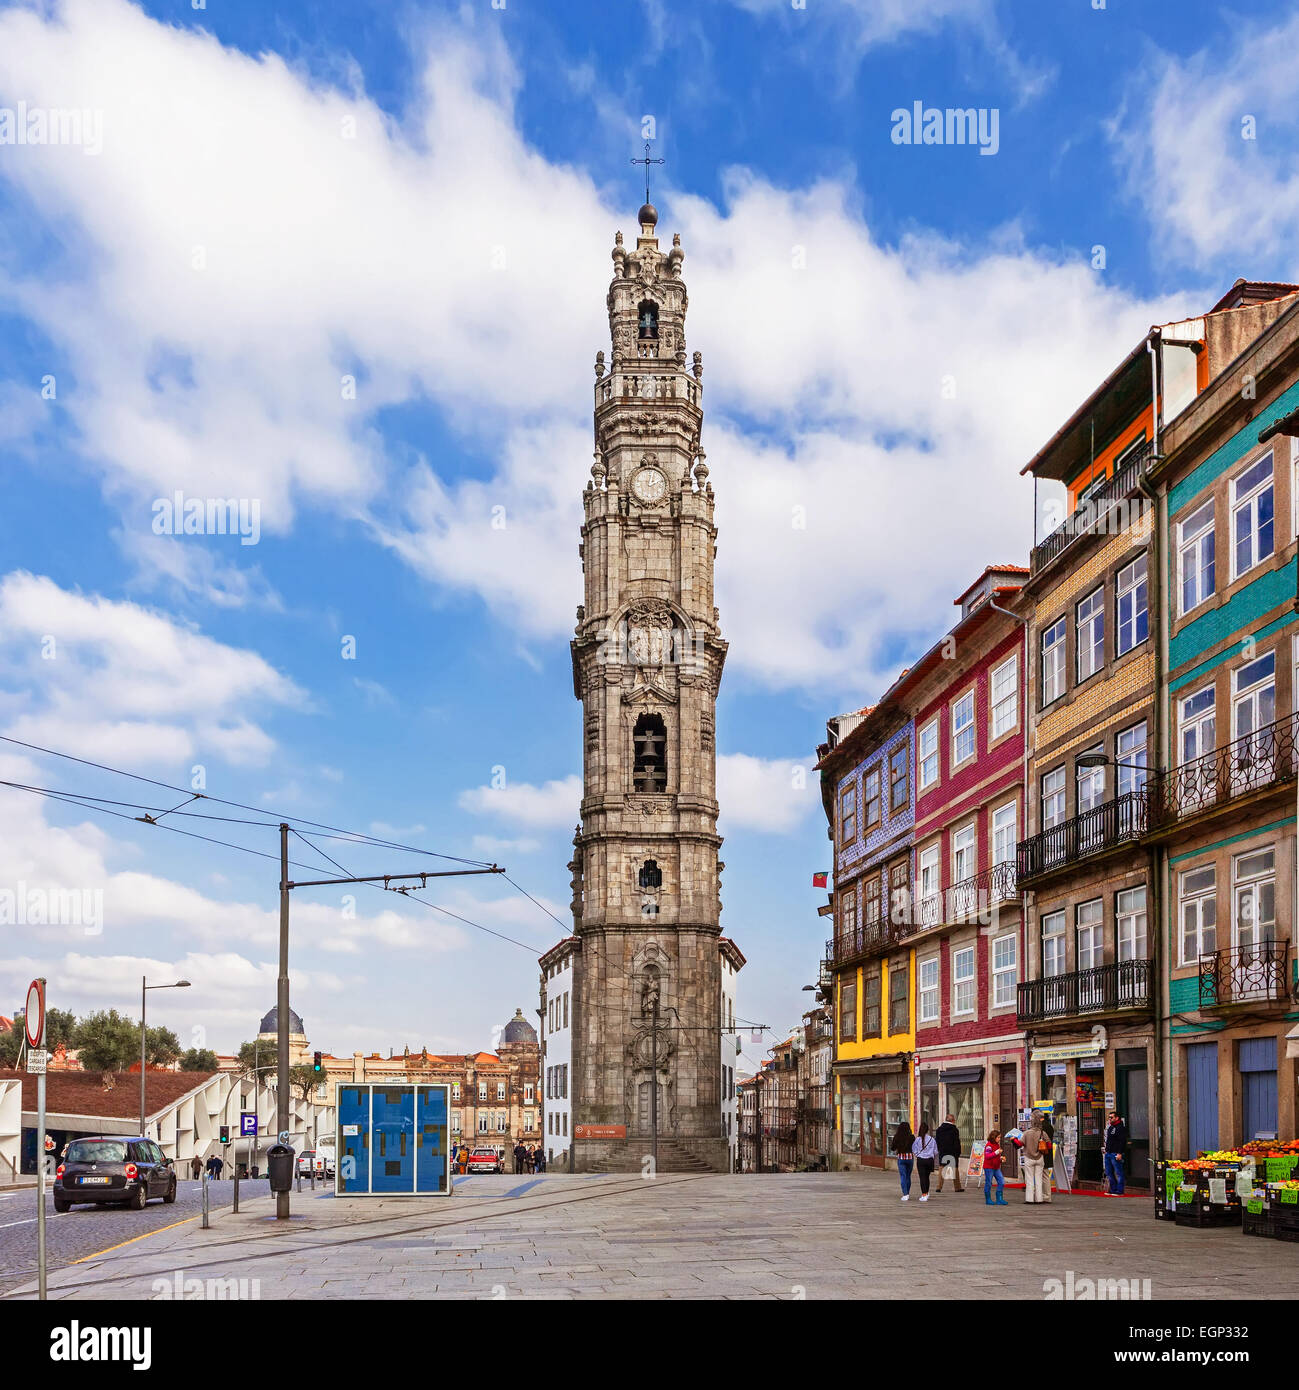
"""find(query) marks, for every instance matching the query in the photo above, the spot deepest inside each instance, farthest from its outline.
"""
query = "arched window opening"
(649, 320)
(649, 745)
(651, 876)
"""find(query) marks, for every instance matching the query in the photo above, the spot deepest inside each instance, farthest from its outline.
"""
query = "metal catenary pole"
(654, 1086)
(144, 981)
(282, 1020)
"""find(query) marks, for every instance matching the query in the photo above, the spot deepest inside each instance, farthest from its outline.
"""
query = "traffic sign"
(247, 1122)
(34, 1014)
(37, 1061)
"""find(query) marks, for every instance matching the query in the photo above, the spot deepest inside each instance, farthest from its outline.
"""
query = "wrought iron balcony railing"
(1125, 818)
(971, 899)
(1261, 759)
(1246, 975)
(1124, 984)
(867, 939)
(1096, 512)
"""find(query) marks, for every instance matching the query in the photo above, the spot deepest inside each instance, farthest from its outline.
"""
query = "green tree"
(303, 1080)
(11, 1044)
(161, 1047)
(107, 1041)
(199, 1059)
(252, 1055)
(60, 1026)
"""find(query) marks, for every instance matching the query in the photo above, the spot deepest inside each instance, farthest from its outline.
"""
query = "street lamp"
(145, 987)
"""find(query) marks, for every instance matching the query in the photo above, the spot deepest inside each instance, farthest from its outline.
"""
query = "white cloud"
(1210, 192)
(551, 804)
(491, 844)
(428, 285)
(116, 682)
(769, 795)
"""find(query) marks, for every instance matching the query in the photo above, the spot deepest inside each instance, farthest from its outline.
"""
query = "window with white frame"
(1133, 623)
(1091, 783)
(1251, 515)
(1089, 931)
(1053, 662)
(1005, 972)
(566, 1008)
(1198, 913)
(928, 873)
(1053, 798)
(1089, 653)
(1255, 882)
(927, 985)
(1254, 706)
(455, 1090)
(1196, 725)
(502, 1122)
(1130, 755)
(1003, 834)
(483, 1122)
(963, 728)
(482, 1090)
(500, 1090)
(928, 754)
(455, 1123)
(1053, 943)
(1004, 686)
(527, 1093)
(1130, 923)
(963, 854)
(963, 981)
(1195, 557)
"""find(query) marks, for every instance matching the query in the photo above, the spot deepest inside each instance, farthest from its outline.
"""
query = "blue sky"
(421, 199)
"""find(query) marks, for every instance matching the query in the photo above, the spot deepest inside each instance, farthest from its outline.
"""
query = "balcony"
(1125, 819)
(1248, 975)
(1094, 513)
(871, 939)
(1126, 984)
(1265, 758)
(972, 899)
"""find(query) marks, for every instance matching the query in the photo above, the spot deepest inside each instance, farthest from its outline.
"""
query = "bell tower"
(647, 660)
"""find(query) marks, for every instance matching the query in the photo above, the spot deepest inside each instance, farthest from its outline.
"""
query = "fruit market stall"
(1255, 1187)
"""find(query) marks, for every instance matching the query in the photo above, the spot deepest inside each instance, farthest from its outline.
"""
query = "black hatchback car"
(113, 1169)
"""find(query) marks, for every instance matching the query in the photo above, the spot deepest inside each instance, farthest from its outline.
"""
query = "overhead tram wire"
(240, 805)
(85, 801)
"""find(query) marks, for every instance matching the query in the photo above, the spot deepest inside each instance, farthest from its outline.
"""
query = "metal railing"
(971, 898)
(1261, 759)
(1124, 984)
(1247, 974)
(866, 939)
(1125, 818)
(1092, 512)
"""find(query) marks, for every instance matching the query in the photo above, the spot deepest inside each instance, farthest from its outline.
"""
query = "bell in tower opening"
(647, 661)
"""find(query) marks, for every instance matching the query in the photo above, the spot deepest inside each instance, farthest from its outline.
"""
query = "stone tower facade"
(647, 660)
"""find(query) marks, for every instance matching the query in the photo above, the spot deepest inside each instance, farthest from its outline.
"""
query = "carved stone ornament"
(649, 805)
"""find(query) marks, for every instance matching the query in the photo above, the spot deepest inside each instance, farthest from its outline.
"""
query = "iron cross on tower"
(647, 161)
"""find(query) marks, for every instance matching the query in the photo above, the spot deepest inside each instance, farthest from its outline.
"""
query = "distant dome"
(271, 1023)
(518, 1029)
(648, 216)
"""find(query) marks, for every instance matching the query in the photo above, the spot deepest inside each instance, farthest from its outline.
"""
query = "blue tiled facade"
(869, 850)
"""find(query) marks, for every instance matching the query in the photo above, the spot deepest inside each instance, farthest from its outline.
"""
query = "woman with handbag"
(925, 1149)
(992, 1170)
(1037, 1148)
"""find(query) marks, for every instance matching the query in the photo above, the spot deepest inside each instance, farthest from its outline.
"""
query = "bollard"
(235, 1206)
(313, 1177)
(205, 1203)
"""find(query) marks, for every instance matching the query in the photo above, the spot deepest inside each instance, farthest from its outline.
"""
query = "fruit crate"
(1204, 1214)
(1261, 1223)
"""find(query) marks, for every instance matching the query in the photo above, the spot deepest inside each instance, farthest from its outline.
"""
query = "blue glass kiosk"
(393, 1139)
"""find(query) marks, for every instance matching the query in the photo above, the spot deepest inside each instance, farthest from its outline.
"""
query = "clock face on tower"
(649, 485)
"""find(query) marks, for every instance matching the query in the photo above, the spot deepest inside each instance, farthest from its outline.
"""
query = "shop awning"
(874, 1066)
(961, 1076)
(1065, 1051)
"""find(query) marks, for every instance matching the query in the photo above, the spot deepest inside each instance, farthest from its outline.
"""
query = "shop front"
(874, 1098)
(1085, 1081)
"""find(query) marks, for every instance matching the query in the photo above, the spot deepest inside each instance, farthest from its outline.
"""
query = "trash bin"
(279, 1167)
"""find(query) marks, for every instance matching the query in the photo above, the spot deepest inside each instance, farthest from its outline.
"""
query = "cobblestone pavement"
(85, 1230)
(678, 1236)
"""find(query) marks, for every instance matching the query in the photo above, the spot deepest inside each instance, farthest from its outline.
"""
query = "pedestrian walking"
(901, 1146)
(1036, 1150)
(925, 1148)
(1116, 1144)
(196, 1167)
(1048, 1128)
(992, 1170)
(541, 1159)
(217, 1164)
(948, 1139)
(519, 1152)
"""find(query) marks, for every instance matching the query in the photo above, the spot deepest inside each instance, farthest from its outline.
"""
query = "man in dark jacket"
(1116, 1144)
(948, 1138)
(518, 1156)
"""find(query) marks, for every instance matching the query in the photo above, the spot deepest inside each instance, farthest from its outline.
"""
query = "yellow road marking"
(156, 1231)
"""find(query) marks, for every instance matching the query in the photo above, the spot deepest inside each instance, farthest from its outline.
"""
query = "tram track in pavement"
(286, 1244)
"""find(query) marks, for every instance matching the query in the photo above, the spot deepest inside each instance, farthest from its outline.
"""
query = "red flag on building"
(819, 880)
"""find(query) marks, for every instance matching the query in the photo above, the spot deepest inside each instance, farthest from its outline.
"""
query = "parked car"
(486, 1161)
(113, 1169)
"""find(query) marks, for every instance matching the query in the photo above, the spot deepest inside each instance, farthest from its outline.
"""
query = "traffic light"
(315, 1064)
(225, 1134)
